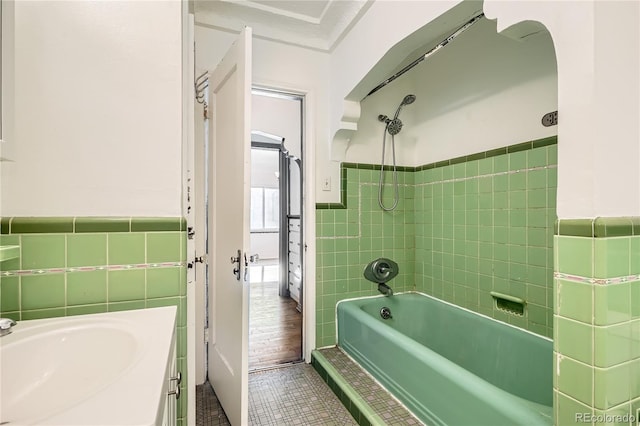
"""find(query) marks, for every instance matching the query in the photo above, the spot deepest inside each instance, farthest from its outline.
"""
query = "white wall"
(480, 92)
(285, 67)
(598, 50)
(280, 117)
(97, 110)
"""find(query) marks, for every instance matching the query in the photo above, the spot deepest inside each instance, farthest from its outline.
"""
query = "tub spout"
(385, 289)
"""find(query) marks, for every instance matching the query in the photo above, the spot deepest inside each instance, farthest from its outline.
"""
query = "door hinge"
(206, 335)
(198, 259)
(190, 232)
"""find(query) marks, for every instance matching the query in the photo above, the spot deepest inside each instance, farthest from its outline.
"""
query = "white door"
(229, 184)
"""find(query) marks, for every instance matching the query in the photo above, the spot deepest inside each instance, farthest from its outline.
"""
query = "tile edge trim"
(12, 225)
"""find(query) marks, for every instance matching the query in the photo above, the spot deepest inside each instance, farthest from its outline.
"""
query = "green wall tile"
(149, 224)
(634, 287)
(612, 303)
(43, 313)
(126, 248)
(634, 374)
(43, 251)
(612, 344)
(574, 300)
(610, 387)
(126, 285)
(163, 282)
(5, 225)
(164, 247)
(537, 157)
(15, 315)
(86, 250)
(126, 306)
(167, 301)
(42, 291)
(612, 257)
(87, 309)
(617, 416)
(613, 227)
(575, 255)
(574, 339)
(460, 225)
(86, 287)
(575, 227)
(634, 258)
(41, 225)
(575, 379)
(102, 224)
(9, 294)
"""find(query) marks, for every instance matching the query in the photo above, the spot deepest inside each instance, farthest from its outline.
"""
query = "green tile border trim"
(4, 225)
(538, 143)
(40, 225)
(85, 224)
(600, 227)
(359, 409)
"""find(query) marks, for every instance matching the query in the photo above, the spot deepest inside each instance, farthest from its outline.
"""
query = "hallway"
(275, 327)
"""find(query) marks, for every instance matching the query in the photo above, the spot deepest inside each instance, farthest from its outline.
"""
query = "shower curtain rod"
(440, 45)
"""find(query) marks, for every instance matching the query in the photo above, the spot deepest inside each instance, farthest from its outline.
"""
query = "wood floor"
(275, 327)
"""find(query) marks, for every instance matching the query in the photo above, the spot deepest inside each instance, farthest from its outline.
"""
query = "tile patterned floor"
(209, 412)
(292, 395)
(381, 402)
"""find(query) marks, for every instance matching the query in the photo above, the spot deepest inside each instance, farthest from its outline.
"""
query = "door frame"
(308, 234)
(308, 99)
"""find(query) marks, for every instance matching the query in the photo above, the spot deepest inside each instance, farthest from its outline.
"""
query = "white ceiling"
(316, 24)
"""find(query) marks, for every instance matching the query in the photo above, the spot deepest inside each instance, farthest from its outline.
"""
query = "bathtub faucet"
(385, 289)
(380, 271)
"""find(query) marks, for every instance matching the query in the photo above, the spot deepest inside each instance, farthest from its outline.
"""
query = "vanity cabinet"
(7, 70)
(173, 379)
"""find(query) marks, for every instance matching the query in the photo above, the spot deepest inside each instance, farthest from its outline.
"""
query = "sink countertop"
(132, 388)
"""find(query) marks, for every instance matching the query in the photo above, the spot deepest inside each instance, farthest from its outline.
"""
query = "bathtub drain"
(385, 313)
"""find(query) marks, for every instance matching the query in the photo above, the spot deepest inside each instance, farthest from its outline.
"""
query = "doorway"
(276, 271)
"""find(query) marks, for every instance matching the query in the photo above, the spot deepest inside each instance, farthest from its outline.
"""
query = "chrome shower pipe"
(439, 46)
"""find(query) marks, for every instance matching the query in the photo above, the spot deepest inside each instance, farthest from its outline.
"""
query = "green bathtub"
(449, 365)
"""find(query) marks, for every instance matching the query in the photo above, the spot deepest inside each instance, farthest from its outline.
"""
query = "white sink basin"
(82, 370)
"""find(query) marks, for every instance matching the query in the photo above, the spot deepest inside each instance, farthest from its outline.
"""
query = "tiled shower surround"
(82, 265)
(463, 228)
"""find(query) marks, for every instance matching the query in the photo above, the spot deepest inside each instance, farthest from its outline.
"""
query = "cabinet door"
(170, 416)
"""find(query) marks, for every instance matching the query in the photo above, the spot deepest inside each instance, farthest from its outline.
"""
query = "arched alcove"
(482, 91)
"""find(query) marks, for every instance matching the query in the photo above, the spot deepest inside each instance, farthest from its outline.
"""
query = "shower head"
(409, 99)
(394, 126)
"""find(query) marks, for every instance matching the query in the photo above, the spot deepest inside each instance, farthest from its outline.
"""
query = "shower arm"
(440, 45)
